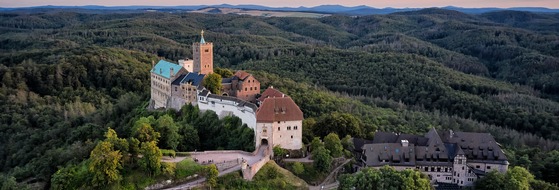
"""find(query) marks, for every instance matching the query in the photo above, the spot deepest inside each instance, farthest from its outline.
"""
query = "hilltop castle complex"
(274, 116)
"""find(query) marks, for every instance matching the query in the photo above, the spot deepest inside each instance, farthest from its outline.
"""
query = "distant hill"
(328, 9)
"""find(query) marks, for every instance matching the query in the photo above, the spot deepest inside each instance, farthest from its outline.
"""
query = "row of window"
(288, 127)
(255, 88)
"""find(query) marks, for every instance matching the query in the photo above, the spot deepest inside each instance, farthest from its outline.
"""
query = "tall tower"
(203, 56)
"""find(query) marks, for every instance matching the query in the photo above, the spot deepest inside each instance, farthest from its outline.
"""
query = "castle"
(449, 159)
(274, 116)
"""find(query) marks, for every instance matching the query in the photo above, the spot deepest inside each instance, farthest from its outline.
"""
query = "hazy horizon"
(293, 3)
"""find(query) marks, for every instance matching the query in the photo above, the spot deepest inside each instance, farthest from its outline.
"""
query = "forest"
(67, 77)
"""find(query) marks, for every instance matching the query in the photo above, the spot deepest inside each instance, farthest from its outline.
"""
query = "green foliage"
(71, 177)
(105, 164)
(333, 143)
(316, 144)
(223, 72)
(187, 167)
(166, 126)
(143, 130)
(322, 159)
(385, 178)
(151, 158)
(340, 123)
(517, 178)
(211, 175)
(170, 153)
(168, 169)
(212, 82)
(297, 168)
(279, 152)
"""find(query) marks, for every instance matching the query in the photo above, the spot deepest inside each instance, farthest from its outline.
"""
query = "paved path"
(305, 159)
(217, 157)
(330, 176)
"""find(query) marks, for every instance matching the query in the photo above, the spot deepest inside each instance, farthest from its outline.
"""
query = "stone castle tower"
(203, 56)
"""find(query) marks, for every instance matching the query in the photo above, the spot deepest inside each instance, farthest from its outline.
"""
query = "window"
(175, 88)
(432, 169)
(207, 50)
(278, 121)
(250, 88)
(288, 127)
(291, 136)
(278, 128)
(477, 166)
(245, 88)
(294, 127)
(462, 167)
(264, 130)
(488, 167)
(426, 168)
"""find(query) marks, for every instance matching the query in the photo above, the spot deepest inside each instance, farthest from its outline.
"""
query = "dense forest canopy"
(67, 77)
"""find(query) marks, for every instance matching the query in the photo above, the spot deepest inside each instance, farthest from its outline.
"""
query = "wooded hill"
(67, 77)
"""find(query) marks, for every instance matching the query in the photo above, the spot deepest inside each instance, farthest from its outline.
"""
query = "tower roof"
(278, 109)
(202, 41)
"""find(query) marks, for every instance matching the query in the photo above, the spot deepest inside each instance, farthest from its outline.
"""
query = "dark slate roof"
(475, 146)
(391, 153)
(194, 78)
(433, 148)
(227, 80)
(240, 103)
(358, 144)
(179, 79)
(447, 186)
(204, 93)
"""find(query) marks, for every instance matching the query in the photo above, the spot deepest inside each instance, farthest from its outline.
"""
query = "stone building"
(279, 121)
(184, 89)
(162, 75)
(457, 158)
(241, 85)
(202, 54)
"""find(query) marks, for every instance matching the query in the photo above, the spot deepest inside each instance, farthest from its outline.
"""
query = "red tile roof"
(278, 109)
(242, 75)
(271, 92)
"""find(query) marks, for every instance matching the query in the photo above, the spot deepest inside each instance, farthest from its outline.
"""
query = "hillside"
(67, 77)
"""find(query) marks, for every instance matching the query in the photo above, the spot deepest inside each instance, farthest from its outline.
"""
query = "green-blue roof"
(163, 68)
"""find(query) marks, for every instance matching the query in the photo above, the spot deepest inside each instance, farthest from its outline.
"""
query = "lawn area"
(271, 176)
(310, 174)
(187, 167)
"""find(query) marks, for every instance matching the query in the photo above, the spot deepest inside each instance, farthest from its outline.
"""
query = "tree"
(315, 144)
(333, 143)
(518, 178)
(322, 159)
(211, 175)
(168, 129)
(144, 132)
(189, 138)
(298, 168)
(279, 152)
(223, 72)
(105, 164)
(151, 158)
(213, 83)
(340, 123)
(385, 178)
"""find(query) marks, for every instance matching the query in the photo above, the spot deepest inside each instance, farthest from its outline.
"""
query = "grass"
(271, 176)
(187, 167)
(310, 175)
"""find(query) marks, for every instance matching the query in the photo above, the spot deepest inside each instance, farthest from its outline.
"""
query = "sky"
(296, 3)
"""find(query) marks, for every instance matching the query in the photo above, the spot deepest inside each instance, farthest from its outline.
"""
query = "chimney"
(160, 71)
(172, 71)
(405, 143)
(451, 133)
(152, 63)
(272, 87)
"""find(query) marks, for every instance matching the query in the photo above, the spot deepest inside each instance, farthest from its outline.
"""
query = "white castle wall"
(226, 108)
